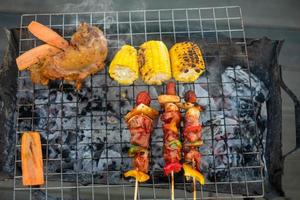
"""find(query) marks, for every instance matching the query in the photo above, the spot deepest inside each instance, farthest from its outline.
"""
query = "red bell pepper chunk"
(192, 129)
(172, 167)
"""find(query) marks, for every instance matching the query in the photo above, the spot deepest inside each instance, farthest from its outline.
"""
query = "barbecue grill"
(85, 128)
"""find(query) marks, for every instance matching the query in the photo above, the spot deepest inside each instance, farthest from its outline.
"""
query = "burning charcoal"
(25, 111)
(69, 123)
(112, 107)
(109, 159)
(69, 110)
(125, 137)
(125, 106)
(41, 96)
(113, 120)
(113, 136)
(52, 95)
(25, 84)
(99, 122)
(157, 151)
(25, 97)
(84, 122)
(99, 136)
(228, 125)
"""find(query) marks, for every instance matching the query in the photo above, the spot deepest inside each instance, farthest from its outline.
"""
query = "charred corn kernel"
(190, 172)
(140, 176)
(154, 62)
(124, 67)
(186, 61)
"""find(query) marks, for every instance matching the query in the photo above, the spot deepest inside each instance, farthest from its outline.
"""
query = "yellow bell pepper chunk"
(140, 176)
(190, 172)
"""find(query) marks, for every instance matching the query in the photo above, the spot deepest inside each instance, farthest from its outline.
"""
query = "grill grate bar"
(169, 25)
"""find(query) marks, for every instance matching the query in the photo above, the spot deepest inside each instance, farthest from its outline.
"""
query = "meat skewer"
(140, 123)
(172, 145)
(192, 139)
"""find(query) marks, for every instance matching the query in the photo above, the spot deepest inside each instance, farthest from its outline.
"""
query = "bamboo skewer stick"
(136, 189)
(194, 185)
(172, 185)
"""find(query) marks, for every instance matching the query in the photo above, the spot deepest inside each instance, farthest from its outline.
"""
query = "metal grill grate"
(217, 26)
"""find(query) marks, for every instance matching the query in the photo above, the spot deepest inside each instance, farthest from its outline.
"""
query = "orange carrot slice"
(34, 55)
(32, 159)
(47, 35)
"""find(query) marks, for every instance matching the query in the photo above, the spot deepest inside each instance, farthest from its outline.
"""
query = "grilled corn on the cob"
(186, 61)
(154, 62)
(124, 67)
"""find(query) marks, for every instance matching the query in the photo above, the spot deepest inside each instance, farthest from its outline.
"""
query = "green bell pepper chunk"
(175, 143)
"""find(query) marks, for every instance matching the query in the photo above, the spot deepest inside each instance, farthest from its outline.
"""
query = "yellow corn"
(154, 62)
(187, 62)
(124, 67)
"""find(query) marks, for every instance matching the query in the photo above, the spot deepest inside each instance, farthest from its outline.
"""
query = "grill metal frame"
(232, 13)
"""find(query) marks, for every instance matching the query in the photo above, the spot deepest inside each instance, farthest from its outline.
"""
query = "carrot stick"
(47, 35)
(32, 159)
(35, 55)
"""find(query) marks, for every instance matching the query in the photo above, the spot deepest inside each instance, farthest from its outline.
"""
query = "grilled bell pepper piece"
(142, 109)
(175, 167)
(171, 127)
(190, 172)
(32, 159)
(124, 67)
(140, 176)
(135, 149)
(175, 143)
(194, 144)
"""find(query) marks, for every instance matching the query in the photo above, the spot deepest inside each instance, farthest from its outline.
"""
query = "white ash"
(109, 160)
(86, 130)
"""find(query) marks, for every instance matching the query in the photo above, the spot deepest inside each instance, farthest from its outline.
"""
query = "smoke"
(87, 6)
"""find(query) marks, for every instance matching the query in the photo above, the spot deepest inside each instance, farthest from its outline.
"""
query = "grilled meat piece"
(174, 116)
(140, 127)
(141, 162)
(192, 133)
(192, 117)
(192, 155)
(190, 97)
(84, 56)
(172, 155)
(144, 98)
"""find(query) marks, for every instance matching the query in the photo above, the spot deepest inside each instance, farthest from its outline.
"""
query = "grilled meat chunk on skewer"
(192, 138)
(171, 119)
(140, 124)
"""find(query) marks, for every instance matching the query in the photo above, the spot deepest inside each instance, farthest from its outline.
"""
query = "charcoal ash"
(86, 131)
